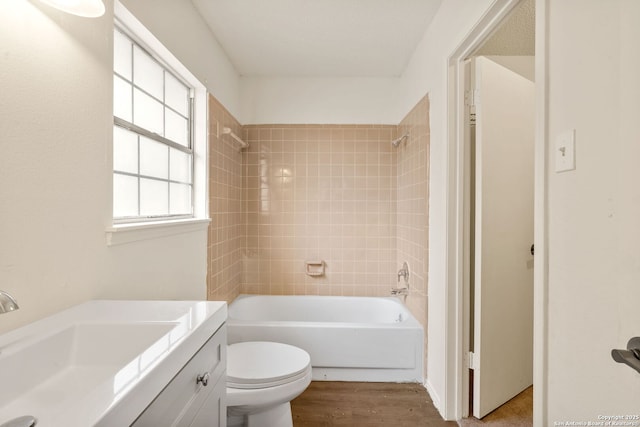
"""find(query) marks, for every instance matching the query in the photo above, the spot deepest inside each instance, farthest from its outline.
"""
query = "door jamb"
(458, 297)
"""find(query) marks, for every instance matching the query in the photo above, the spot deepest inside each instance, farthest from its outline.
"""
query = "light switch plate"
(566, 151)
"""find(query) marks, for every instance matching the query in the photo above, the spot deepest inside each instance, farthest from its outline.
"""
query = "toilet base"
(279, 415)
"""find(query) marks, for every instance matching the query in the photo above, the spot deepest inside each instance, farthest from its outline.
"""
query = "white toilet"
(262, 378)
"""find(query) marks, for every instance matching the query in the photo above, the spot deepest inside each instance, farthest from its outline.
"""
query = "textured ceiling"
(516, 36)
(318, 38)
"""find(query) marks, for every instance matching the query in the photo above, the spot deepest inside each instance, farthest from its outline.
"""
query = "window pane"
(180, 166)
(176, 95)
(122, 54)
(154, 158)
(125, 150)
(180, 196)
(176, 128)
(147, 73)
(154, 197)
(150, 178)
(147, 112)
(125, 196)
(121, 99)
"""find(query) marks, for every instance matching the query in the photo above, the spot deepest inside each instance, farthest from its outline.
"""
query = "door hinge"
(470, 101)
(471, 361)
(471, 97)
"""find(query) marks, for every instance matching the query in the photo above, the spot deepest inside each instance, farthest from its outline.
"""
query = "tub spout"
(7, 303)
(400, 291)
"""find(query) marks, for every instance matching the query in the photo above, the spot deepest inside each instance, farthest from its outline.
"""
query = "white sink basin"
(73, 360)
(75, 368)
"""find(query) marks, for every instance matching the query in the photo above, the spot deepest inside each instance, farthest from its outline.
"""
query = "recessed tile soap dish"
(315, 268)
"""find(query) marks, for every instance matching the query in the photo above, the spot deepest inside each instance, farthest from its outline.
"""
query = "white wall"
(55, 173)
(594, 211)
(522, 65)
(320, 100)
(53, 178)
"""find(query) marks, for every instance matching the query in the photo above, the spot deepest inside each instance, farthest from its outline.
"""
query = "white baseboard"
(434, 396)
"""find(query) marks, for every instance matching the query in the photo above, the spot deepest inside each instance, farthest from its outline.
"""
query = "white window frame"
(142, 228)
(139, 131)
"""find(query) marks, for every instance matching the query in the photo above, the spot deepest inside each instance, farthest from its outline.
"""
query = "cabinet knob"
(203, 379)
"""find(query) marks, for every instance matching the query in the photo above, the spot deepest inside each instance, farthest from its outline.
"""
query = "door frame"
(457, 323)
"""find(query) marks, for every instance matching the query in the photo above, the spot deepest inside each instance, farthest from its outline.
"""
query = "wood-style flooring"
(365, 404)
(518, 412)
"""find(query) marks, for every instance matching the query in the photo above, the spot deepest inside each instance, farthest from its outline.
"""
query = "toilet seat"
(261, 364)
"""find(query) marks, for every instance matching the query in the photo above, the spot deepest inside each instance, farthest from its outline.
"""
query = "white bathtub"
(348, 338)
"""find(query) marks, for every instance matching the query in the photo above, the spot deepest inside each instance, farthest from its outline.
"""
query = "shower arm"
(396, 142)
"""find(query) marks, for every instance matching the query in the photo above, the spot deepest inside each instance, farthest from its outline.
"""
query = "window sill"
(126, 233)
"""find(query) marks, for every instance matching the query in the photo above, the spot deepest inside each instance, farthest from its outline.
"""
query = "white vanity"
(116, 364)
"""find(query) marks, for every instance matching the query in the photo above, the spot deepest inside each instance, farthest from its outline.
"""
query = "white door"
(503, 279)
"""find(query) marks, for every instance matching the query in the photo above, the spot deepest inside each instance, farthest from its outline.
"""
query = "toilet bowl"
(262, 378)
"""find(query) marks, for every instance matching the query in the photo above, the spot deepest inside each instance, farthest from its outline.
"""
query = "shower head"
(396, 142)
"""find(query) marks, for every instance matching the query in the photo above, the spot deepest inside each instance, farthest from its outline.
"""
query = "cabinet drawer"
(180, 401)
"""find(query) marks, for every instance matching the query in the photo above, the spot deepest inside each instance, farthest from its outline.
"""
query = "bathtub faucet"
(400, 292)
(404, 272)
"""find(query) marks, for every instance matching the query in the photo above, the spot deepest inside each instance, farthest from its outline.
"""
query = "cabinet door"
(178, 404)
(213, 413)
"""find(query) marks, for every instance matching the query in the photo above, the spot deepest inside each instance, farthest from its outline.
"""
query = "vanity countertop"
(102, 362)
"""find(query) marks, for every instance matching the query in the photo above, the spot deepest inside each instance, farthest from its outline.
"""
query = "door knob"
(532, 249)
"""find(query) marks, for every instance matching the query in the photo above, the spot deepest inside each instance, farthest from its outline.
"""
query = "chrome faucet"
(7, 303)
(403, 272)
(400, 291)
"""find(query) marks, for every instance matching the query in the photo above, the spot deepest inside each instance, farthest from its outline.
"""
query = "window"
(153, 137)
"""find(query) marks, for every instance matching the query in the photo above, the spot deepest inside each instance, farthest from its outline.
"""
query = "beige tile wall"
(413, 206)
(320, 192)
(226, 231)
